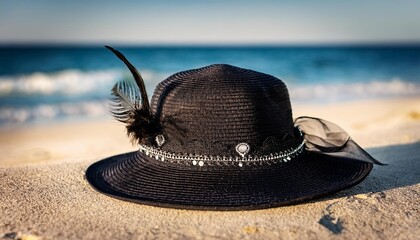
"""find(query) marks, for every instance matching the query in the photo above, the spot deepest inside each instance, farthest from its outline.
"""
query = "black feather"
(132, 108)
(137, 77)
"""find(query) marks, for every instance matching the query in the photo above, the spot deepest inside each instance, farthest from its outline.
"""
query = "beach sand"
(43, 193)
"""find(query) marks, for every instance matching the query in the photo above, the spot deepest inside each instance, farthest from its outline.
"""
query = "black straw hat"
(223, 137)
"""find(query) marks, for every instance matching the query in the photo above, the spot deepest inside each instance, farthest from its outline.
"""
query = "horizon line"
(213, 44)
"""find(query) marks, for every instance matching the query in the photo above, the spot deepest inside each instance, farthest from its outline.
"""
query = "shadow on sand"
(403, 169)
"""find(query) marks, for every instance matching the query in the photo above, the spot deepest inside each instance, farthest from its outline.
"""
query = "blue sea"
(45, 84)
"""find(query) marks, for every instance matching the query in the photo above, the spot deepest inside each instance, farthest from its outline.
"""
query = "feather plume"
(130, 105)
(125, 101)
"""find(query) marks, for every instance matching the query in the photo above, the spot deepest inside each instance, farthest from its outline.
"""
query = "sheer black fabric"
(324, 137)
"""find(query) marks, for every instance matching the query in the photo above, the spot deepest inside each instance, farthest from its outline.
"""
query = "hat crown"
(211, 110)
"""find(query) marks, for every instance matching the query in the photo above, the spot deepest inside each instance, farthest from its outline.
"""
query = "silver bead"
(242, 149)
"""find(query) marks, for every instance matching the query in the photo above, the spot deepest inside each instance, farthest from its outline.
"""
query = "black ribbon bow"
(323, 137)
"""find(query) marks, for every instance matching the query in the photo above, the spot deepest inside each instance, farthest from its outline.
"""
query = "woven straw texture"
(212, 109)
(136, 178)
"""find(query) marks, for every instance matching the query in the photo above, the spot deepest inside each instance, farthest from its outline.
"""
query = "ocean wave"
(86, 94)
(89, 109)
(76, 82)
(354, 91)
(97, 107)
(67, 82)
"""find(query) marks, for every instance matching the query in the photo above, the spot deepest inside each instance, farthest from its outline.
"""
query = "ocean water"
(44, 84)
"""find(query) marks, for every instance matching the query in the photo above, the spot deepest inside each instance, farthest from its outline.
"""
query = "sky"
(209, 22)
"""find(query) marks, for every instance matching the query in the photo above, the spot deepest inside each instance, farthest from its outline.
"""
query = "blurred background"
(53, 66)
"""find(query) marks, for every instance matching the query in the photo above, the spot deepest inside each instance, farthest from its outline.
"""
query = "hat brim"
(138, 178)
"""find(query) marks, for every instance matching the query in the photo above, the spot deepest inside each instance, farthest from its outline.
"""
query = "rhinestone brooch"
(160, 140)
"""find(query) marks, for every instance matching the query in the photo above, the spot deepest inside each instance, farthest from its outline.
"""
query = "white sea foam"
(98, 84)
(85, 94)
(42, 112)
(74, 82)
(66, 82)
(353, 91)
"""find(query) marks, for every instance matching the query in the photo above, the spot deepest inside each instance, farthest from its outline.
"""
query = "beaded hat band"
(241, 160)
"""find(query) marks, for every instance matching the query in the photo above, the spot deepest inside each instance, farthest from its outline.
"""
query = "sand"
(43, 193)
